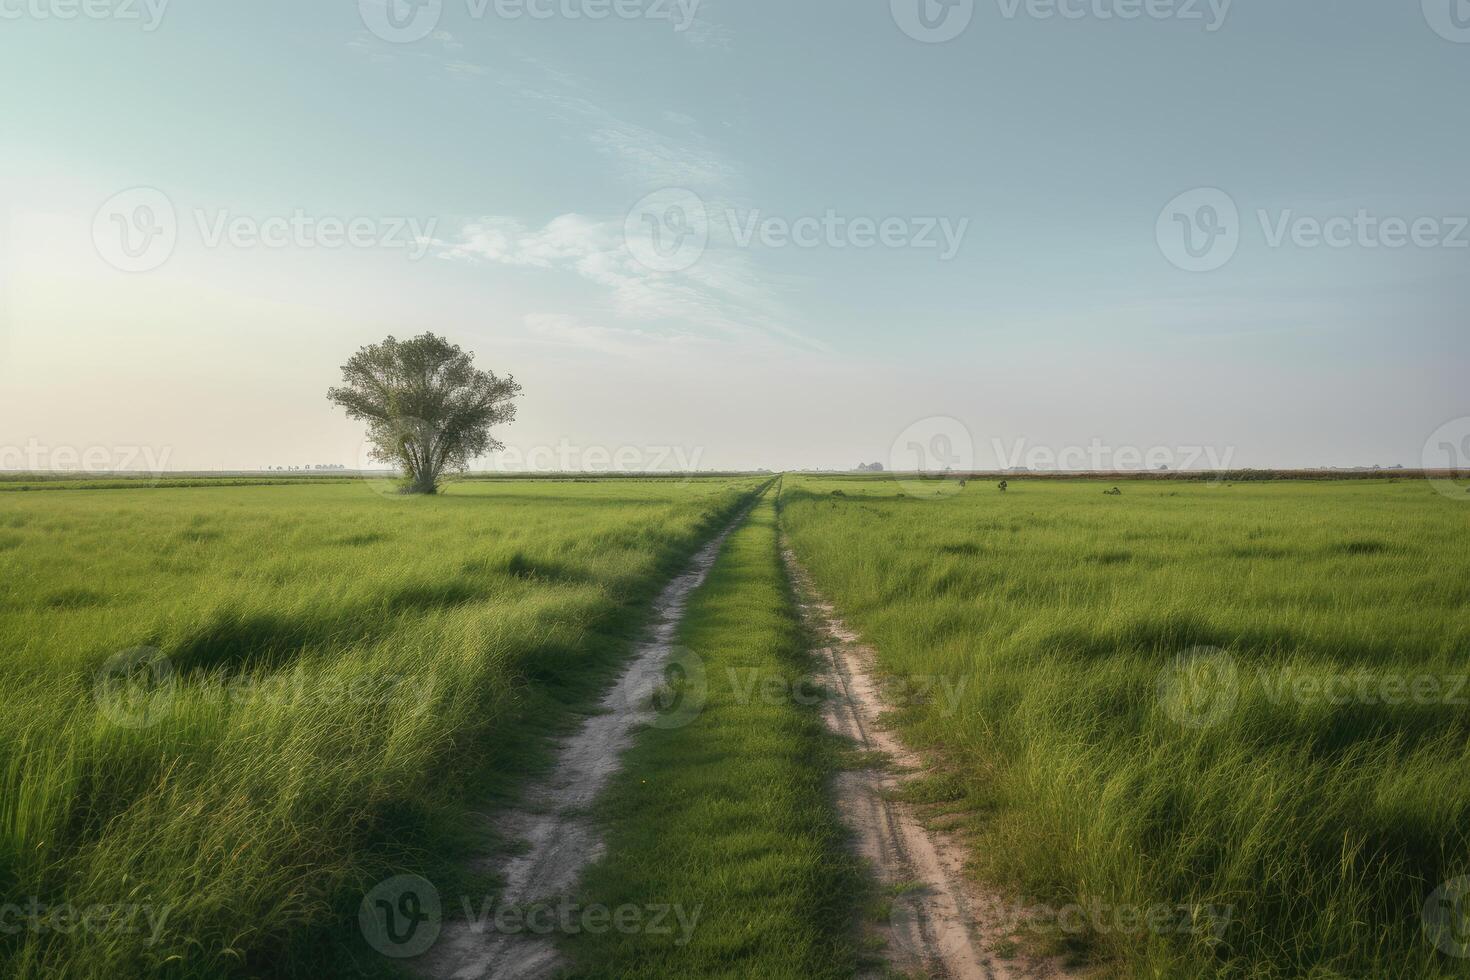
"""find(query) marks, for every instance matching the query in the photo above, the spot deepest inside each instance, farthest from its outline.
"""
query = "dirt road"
(561, 840)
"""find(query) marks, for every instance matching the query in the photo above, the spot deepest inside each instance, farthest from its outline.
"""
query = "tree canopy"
(428, 408)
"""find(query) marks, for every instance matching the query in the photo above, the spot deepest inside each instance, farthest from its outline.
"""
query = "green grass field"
(342, 669)
(1228, 722)
(1304, 766)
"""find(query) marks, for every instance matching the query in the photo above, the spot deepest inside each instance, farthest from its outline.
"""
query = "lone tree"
(428, 408)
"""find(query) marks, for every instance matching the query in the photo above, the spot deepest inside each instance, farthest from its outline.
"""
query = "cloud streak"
(719, 297)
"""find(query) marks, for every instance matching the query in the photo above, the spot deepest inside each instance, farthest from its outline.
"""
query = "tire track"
(561, 838)
(943, 925)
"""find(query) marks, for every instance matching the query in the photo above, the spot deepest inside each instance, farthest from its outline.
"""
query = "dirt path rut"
(561, 840)
(943, 925)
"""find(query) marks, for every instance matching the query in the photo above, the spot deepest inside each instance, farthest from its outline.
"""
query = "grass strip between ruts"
(724, 854)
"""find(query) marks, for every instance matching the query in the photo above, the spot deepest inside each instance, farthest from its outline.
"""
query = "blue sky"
(1028, 172)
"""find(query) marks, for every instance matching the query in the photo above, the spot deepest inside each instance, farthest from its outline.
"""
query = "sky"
(730, 235)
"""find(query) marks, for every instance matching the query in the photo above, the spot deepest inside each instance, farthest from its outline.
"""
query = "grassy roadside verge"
(720, 825)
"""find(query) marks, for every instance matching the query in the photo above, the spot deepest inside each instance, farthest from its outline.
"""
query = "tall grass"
(347, 670)
(1097, 767)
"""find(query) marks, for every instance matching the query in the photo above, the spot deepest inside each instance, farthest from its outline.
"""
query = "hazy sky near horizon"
(1082, 229)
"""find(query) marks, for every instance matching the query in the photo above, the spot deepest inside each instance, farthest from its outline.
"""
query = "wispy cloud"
(720, 296)
(650, 158)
